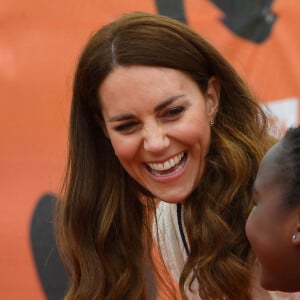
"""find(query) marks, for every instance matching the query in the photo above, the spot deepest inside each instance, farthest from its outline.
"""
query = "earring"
(294, 236)
(211, 122)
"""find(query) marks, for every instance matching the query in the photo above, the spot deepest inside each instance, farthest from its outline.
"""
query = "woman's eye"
(126, 127)
(174, 112)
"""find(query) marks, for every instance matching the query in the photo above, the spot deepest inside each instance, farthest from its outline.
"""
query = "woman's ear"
(296, 233)
(213, 97)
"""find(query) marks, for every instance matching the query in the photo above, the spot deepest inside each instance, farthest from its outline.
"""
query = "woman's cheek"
(125, 148)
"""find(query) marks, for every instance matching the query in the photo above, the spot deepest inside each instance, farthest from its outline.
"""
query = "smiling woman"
(164, 134)
(158, 123)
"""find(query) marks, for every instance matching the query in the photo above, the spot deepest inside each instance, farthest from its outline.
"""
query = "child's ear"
(296, 233)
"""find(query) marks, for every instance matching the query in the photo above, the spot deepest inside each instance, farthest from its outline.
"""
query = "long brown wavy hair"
(102, 224)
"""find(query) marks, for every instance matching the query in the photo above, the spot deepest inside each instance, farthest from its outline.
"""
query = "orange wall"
(39, 44)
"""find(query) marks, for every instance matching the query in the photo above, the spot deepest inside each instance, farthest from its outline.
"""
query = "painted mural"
(40, 42)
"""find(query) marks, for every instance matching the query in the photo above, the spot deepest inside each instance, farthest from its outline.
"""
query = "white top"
(172, 240)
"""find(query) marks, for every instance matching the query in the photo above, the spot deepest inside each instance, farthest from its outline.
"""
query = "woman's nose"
(155, 139)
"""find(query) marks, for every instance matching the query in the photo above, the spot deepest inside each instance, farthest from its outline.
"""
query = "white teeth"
(167, 164)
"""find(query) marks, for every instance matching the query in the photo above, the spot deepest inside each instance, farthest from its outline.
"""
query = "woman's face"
(157, 120)
(270, 227)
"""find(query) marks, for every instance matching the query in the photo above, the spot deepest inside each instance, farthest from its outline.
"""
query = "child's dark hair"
(290, 165)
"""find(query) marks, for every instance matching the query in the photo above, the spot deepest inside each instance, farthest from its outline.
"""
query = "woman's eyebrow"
(167, 102)
(124, 117)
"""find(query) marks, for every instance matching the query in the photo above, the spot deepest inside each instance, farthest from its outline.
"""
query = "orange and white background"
(40, 42)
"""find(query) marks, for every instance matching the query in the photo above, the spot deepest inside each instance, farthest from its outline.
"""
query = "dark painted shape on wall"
(47, 261)
(249, 19)
(171, 8)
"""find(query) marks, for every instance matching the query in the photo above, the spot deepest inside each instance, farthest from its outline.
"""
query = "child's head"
(273, 226)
